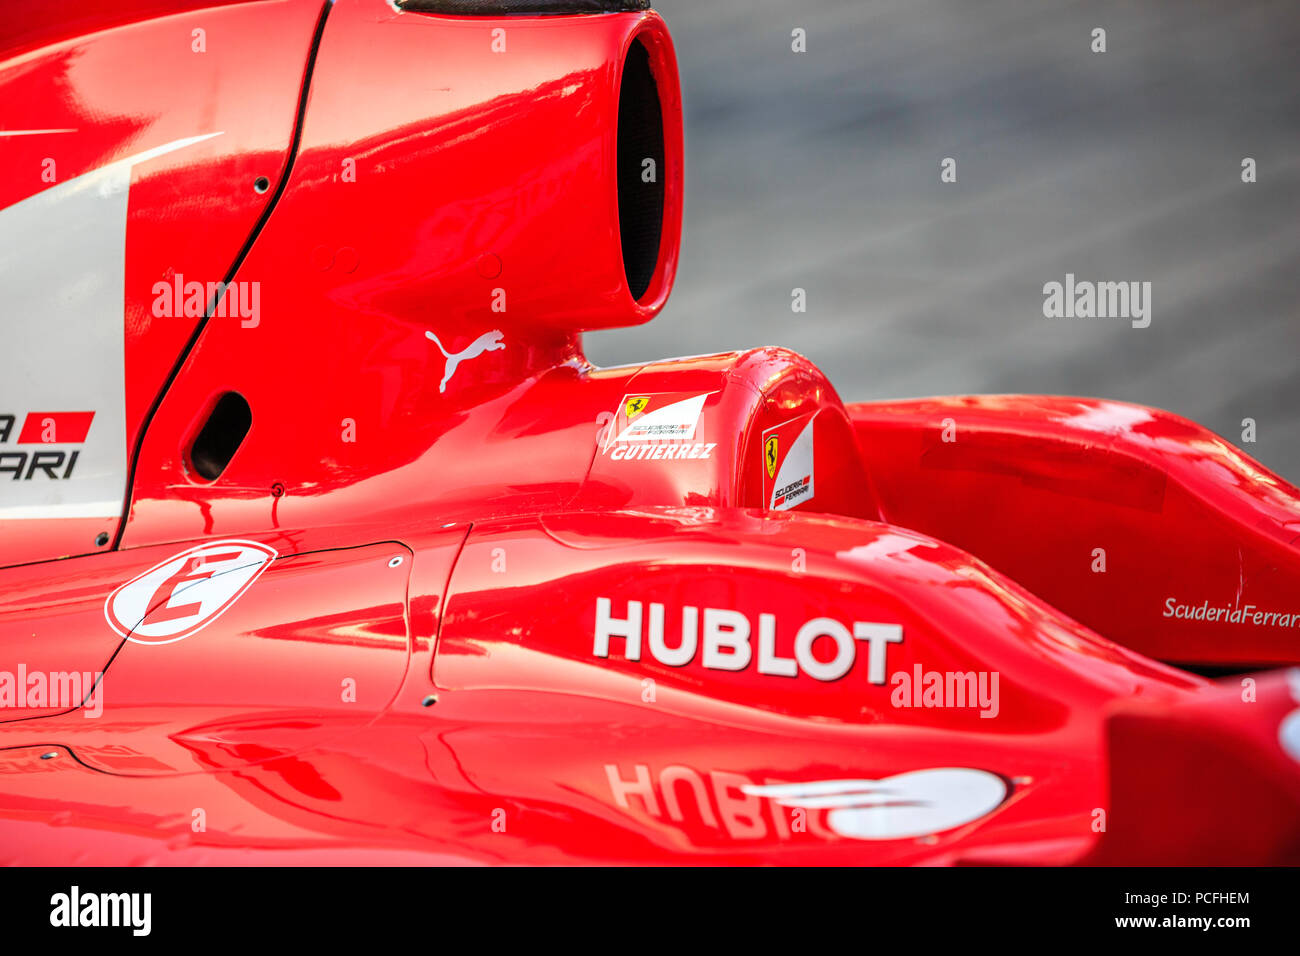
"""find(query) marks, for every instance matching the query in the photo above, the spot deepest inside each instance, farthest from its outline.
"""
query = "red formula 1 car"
(321, 541)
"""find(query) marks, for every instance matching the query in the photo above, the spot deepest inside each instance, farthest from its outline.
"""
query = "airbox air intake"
(640, 166)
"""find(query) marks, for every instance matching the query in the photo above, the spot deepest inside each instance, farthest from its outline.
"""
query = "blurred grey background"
(821, 170)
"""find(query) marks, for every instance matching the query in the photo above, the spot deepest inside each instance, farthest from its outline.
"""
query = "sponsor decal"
(1288, 733)
(771, 449)
(900, 807)
(70, 347)
(721, 639)
(904, 806)
(659, 427)
(1230, 614)
(185, 593)
(658, 452)
(487, 342)
(66, 429)
(788, 464)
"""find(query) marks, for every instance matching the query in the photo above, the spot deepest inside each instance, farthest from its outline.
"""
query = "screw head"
(261, 184)
(277, 489)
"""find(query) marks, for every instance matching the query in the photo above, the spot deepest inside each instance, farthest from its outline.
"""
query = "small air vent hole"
(221, 435)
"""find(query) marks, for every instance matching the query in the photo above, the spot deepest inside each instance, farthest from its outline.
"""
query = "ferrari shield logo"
(635, 406)
(788, 479)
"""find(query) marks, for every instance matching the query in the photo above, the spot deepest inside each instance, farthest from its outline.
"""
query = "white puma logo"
(487, 342)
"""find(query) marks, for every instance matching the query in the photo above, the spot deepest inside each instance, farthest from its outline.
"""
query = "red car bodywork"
(459, 596)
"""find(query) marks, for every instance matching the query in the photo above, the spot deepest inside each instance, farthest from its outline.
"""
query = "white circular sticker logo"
(911, 804)
(187, 592)
(1288, 735)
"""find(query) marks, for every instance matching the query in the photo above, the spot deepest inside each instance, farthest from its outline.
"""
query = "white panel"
(62, 267)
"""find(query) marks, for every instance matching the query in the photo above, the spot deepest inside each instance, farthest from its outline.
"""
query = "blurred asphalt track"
(821, 170)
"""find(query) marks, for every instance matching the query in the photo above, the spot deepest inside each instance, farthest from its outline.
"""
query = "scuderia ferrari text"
(724, 641)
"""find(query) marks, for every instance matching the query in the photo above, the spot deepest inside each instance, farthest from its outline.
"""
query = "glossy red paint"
(515, 153)
(1039, 486)
(1234, 748)
(497, 622)
(137, 85)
